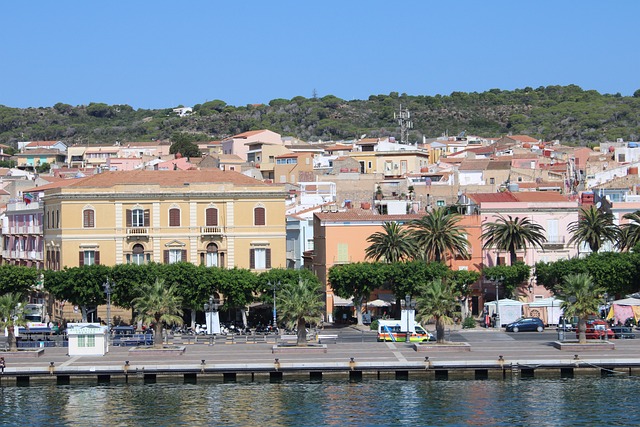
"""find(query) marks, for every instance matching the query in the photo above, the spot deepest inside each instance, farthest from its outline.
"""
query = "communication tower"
(404, 120)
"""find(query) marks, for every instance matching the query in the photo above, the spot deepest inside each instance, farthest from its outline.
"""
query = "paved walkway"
(486, 347)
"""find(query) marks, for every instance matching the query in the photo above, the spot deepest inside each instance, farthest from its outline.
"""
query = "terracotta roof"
(229, 158)
(57, 184)
(492, 197)
(522, 138)
(249, 133)
(166, 178)
(41, 143)
(364, 215)
(499, 165)
(519, 196)
(293, 155)
(40, 151)
(474, 165)
(338, 147)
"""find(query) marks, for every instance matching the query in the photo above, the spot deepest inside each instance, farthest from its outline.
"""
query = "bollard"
(352, 363)
(277, 364)
(51, 368)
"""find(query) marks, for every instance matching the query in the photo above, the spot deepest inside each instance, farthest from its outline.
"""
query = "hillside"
(566, 113)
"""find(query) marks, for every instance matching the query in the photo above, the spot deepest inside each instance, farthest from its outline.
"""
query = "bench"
(323, 338)
(289, 338)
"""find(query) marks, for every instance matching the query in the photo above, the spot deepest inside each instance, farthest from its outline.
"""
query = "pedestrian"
(2, 365)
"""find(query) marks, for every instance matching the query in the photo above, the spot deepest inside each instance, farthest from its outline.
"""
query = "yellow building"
(212, 217)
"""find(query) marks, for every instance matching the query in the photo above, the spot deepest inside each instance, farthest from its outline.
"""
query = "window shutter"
(129, 216)
(184, 255)
(268, 258)
(166, 256)
(81, 259)
(259, 216)
(146, 218)
(501, 260)
(174, 217)
(252, 259)
(97, 257)
(212, 217)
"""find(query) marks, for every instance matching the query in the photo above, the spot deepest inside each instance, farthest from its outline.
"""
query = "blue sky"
(160, 54)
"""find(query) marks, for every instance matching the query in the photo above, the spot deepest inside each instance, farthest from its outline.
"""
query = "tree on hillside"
(437, 234)
(581, 297)
(437, 299)
(392, 244)
(594, 227)
(300, 303)
(159, 305)
(512, 234)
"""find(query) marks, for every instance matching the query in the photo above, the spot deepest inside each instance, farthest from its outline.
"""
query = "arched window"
(211, 217)
(137, 255)
(259, 216)
(174, 217)
(211, 257)
(88, 218)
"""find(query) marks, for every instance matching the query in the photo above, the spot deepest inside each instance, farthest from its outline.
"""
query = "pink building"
(239, 144)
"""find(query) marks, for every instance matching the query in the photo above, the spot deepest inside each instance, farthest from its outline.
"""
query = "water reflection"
(516, 402)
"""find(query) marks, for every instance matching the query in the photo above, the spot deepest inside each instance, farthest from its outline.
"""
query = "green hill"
(566, 113)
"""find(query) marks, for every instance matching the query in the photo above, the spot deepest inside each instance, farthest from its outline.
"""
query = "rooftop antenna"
(405, 123)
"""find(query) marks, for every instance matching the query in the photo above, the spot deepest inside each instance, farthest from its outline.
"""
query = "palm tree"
(630, 231)
(393, 244)
(437, 299)
(301, 303)
(512, 234)
(582, 297)
(437, 234)
(594, 227)
(11, 315)
(157, 305)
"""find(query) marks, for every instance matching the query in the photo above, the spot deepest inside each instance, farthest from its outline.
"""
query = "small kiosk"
(87, 339)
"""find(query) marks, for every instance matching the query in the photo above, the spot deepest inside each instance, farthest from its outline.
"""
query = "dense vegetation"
(566, 113)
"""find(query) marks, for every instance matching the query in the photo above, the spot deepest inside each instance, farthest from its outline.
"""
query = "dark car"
(623, 332)
(532, 324)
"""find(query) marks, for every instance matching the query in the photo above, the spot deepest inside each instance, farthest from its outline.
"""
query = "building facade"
(212, 217)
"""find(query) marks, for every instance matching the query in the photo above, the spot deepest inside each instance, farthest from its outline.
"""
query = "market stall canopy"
(378, 303)
(547, 302)
(342, 302)
(627, 301)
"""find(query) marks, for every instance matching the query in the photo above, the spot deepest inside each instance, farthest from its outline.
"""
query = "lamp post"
(500, 279)
(408, 307)
(275, 316)
(107, 290)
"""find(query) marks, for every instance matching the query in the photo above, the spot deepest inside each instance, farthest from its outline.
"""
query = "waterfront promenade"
(491, 351)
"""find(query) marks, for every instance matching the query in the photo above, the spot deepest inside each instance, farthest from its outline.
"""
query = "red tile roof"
(364, 215)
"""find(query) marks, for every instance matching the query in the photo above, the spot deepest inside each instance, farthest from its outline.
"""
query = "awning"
(341, 302)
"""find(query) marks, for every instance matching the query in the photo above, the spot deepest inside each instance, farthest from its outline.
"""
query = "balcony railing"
(554, 241)
(212, 231)
(137, 231)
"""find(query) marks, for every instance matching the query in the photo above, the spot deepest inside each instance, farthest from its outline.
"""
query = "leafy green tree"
(356, 280)
(129, 280)
(510, 276)
(17, 279)
(300, 303)
(581, 298)
(437, 299)
(437, 233)
(392, 244)
(239, 289)
(594, 227)
(11, 315)
(82, 286)
(157, 306)
(512, 234)
(185, 148)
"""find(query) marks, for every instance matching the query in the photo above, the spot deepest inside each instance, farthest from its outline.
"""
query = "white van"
(394, 330)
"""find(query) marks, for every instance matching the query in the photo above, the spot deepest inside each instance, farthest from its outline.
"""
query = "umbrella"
(378, 303)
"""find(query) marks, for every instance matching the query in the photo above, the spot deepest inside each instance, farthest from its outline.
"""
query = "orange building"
(341, 238)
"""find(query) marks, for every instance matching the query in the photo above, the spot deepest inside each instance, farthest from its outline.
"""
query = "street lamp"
(498, 281)
(275, 317)
(107, 290)
(408, 305)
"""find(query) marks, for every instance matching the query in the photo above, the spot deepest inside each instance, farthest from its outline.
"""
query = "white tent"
(509, 310)
(342, 302)
(378, 303)
(627, 301)
(547, 309)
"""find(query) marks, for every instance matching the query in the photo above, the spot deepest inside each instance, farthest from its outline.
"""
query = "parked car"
(597, 330)
(526, 324)
(623, 332)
